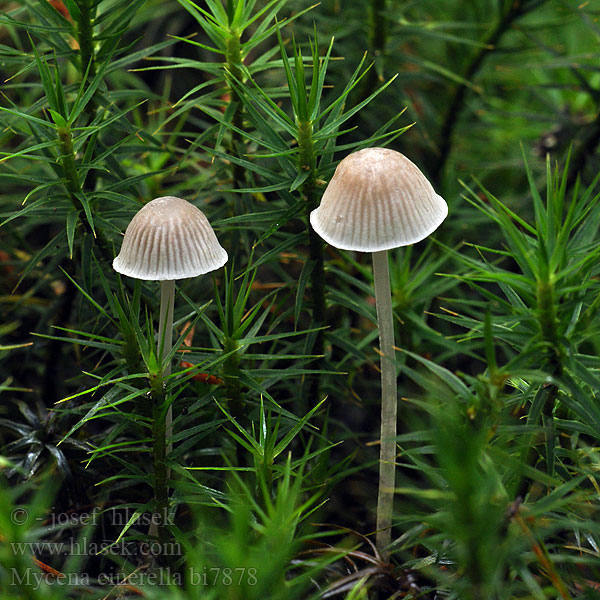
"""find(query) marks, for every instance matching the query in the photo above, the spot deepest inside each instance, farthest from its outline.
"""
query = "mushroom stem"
(165, 323)
(165, 341)
(389, 402)
(163, 431)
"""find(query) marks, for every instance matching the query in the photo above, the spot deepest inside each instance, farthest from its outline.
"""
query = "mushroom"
(378, 200)
(168, 239)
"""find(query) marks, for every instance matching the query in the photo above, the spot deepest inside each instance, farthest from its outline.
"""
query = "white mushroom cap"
(169, 238)
(377, 200)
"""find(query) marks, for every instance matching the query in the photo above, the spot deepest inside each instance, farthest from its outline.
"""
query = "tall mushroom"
(168, 239)
(378, 200)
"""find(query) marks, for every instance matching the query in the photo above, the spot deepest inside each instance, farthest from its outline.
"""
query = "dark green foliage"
(245, 107)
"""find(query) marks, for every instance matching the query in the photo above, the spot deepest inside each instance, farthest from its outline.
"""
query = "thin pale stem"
(162, 429)
(389, 403)
(165, 341)
(165, 323)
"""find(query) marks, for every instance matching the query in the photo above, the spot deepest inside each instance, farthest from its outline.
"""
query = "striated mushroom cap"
(377, 200)
(169, 238)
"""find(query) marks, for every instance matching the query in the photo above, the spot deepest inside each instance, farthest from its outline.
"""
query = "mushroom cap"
(169, 238)
(377, 200)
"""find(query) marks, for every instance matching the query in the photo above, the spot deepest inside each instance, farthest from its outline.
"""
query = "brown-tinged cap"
(377, 200)
(169, 238)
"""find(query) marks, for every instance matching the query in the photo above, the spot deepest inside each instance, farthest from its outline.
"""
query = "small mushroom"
(168, 239)
(378, 200)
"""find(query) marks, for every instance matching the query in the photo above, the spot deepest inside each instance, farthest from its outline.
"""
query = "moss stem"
(159, 454)
(233, 59)
(548, 323)
(515, 11)
(231, 373)
(378, 26)
(549, 329)
(67, 161)
(307, 162)
(547, 312)
(73, 185)
(85, 37)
